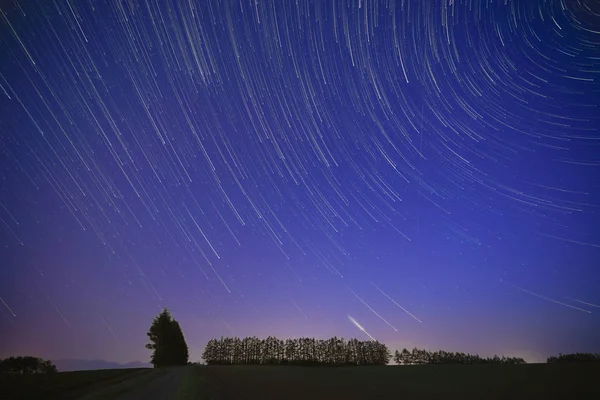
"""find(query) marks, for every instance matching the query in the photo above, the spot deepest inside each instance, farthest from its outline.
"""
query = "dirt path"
(160, 384)
(164, 386)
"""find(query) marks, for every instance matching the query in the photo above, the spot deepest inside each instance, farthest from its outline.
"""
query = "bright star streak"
(392, 300)
(359, 326)
(9, 309)
(584, 302)
(546, 298)
(374, 312)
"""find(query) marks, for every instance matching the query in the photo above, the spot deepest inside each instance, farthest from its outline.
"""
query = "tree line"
(574, 358)
(420, 356)
(300, 351)
(169, 348)
(26, 365)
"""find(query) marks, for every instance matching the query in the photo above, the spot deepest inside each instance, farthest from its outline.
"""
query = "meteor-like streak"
(229, 328)
(359, 326)
(392, 300)
(9, 309)
(374, 312)
(299, 309)
(546, 298)
(584, 302)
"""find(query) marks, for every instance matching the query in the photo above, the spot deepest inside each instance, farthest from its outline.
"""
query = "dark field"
(533, 381)
(64, 385)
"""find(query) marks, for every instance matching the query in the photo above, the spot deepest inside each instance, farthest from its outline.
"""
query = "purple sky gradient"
(272, 168)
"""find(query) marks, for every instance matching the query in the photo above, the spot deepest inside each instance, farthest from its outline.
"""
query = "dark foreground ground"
(534, 381)
(64, 385)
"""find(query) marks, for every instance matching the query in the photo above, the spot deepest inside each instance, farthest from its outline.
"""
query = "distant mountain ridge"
(85, 365)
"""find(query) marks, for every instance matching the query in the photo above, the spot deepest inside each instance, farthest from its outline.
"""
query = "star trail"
(424, 171)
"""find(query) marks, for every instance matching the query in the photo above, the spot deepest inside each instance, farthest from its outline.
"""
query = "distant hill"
(84, 365)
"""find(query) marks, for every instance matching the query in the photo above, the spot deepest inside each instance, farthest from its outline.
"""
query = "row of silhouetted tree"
(420, 356)
(300, 351)
(169, 348)
(26, 365)
(575, 358)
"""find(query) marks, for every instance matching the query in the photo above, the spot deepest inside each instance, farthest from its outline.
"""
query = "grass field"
(64, 385)
(531, 381)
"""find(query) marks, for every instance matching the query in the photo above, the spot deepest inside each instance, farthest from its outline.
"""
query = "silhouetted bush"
(26, 365)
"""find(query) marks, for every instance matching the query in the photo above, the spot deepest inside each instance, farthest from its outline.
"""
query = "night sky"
(428, 170)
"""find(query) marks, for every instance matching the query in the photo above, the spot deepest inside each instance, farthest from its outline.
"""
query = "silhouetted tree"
(210, 352)
(403, 358)
(26, 365)
(301, 351)
(575, 358)
(167, 341)
(419, 356)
